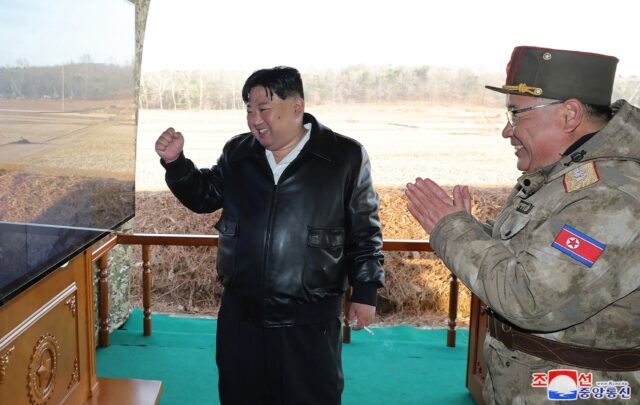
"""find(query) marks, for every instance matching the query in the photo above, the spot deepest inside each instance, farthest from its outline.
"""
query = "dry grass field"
(452, 145)
(71, 158)
(85, 137)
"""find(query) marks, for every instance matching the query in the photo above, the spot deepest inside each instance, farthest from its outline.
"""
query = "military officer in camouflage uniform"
(560, 266)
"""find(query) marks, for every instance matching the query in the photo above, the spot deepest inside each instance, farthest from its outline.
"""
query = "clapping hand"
(429, 203)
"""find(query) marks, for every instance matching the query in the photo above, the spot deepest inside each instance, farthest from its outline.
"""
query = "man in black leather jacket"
(299, 224)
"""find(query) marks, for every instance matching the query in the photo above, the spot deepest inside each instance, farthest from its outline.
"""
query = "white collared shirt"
(278, 168)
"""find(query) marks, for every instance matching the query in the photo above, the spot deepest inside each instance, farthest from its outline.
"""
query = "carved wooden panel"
(47, 347)
(39, 355)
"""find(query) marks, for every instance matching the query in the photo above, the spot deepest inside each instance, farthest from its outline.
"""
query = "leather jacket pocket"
(225, 259)
(324, 260)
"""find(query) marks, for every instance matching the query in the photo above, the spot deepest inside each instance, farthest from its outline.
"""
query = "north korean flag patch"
(579, 246)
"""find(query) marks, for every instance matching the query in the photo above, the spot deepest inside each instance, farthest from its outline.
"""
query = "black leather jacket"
(287, 251)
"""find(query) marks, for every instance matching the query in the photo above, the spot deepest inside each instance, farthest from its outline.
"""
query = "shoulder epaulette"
(581, 177)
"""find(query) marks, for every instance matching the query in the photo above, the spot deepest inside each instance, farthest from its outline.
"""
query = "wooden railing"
(148, 240)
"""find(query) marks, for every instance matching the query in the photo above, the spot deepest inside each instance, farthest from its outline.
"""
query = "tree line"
(215, 90)
(82, 81)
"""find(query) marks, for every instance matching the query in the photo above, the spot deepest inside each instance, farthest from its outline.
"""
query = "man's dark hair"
(282, 80)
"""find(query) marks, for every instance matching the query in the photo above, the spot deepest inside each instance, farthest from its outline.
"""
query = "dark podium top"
(29, 252)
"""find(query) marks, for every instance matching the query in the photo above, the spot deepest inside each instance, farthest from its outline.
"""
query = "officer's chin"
(524, 164)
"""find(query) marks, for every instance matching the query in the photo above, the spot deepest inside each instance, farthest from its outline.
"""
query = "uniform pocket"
(227, 242)
(516, 377)
(324, 260)
(509, 377)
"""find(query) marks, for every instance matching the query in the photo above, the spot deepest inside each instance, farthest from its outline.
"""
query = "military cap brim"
(560, 74)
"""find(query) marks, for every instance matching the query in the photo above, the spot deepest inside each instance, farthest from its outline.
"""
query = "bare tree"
(173, 90)
(200, 89)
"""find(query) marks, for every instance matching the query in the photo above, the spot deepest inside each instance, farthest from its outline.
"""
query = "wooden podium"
(47, 348)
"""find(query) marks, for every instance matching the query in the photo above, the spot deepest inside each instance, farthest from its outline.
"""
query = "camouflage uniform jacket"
(512, 266)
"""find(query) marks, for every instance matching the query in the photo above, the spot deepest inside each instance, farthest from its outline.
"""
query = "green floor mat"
(398, 365)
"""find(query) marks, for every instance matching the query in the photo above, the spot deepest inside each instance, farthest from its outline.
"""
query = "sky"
(50, 33)
(250, 34)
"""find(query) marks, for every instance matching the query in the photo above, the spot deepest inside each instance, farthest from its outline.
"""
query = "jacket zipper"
(267, 241)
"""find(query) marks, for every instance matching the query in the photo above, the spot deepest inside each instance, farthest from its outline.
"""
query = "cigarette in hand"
(355, 322)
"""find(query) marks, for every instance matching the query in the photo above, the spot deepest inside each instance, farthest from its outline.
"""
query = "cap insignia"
(523, 88)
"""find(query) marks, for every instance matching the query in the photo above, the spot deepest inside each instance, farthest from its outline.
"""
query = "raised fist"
(169, 145)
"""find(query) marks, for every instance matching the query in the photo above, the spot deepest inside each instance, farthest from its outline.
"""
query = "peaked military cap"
(560, 74)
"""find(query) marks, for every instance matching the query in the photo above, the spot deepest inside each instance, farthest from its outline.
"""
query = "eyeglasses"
(511, 114)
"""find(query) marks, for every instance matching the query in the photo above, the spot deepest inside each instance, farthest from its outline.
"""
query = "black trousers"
(299, 365)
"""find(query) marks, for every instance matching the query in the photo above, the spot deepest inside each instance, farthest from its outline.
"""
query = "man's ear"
(573, 114)
(298, 106)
